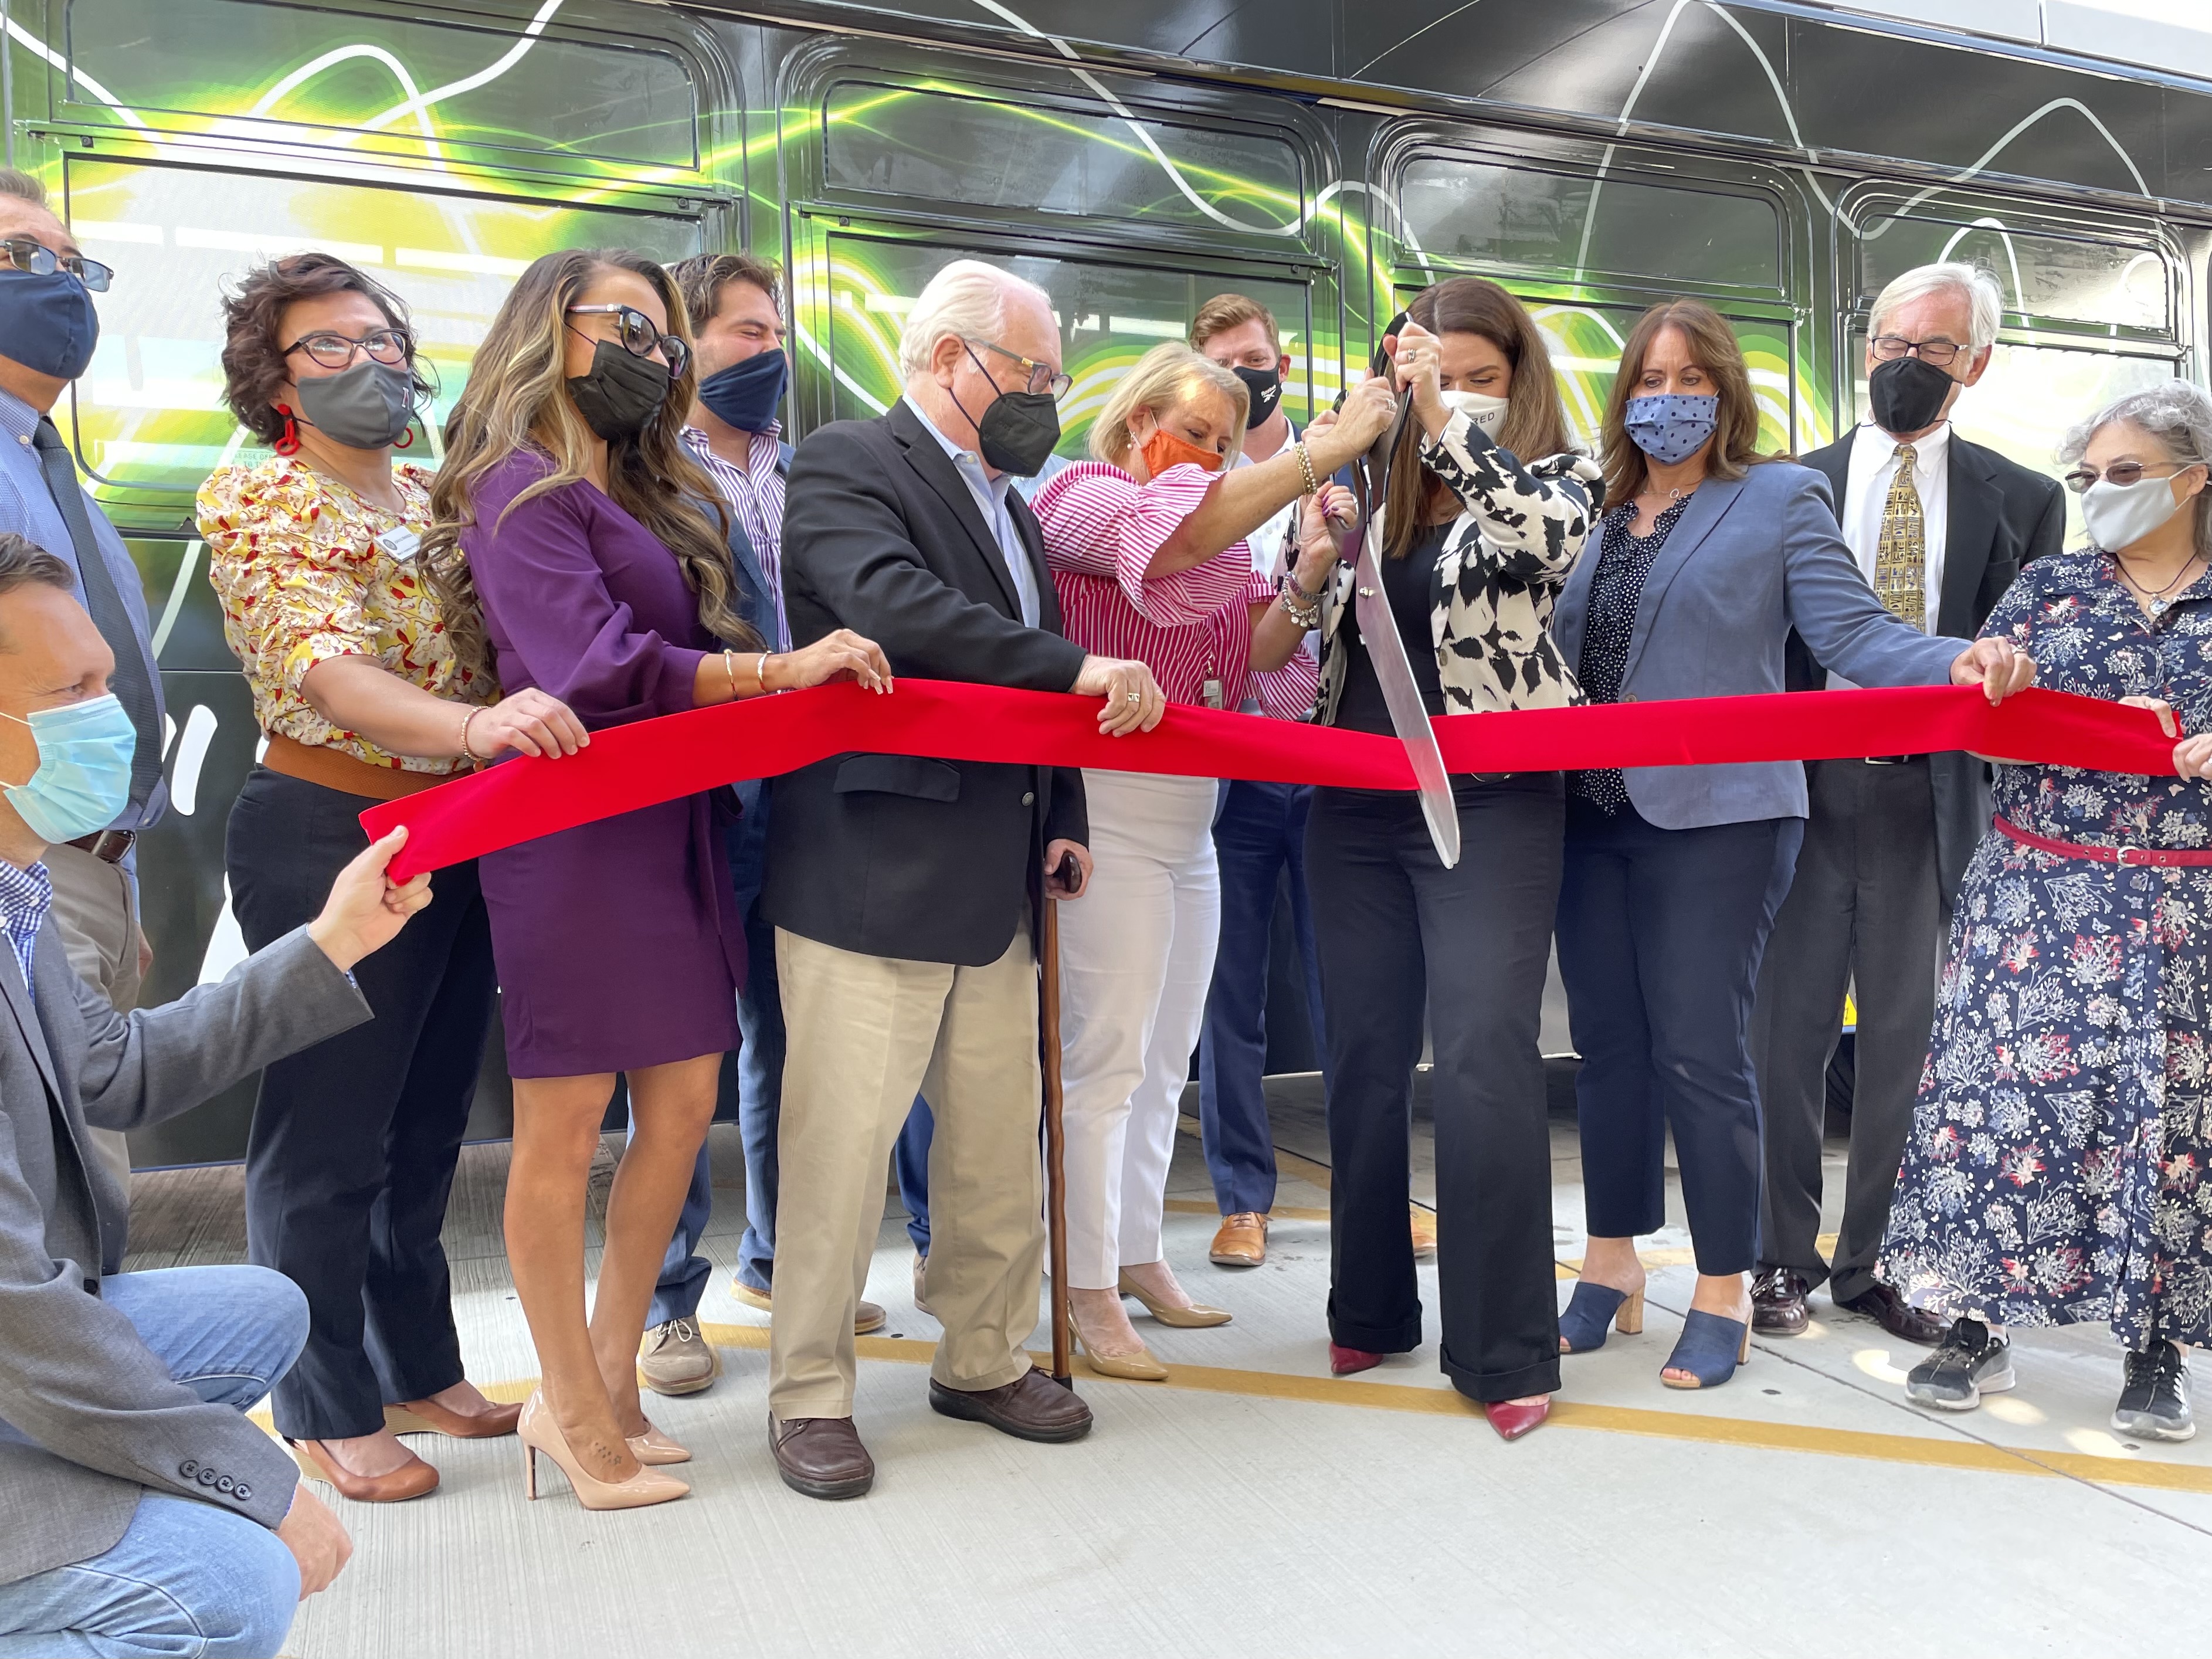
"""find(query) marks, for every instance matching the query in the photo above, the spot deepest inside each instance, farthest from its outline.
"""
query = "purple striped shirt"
(755, 493)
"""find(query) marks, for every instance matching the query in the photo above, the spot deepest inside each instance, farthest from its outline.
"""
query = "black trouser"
(353, 1141)
(1660, 936)
(1867, 907)
(1400, 934)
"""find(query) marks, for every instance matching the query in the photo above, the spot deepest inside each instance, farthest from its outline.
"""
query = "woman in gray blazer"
(1710, 554)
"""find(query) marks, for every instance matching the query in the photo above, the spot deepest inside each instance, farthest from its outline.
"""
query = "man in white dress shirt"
(1941, 526)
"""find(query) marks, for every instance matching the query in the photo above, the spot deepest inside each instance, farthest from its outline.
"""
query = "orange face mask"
(1164, 450)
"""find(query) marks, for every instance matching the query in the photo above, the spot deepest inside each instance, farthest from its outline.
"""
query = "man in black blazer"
(1941, 526)
(902, 888)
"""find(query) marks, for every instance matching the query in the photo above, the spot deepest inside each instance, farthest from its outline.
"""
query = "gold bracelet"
(730, 670)
(760, 670)
(468, 753)
(1306, 468)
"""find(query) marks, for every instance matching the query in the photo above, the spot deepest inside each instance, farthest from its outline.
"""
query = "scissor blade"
(1378, 633)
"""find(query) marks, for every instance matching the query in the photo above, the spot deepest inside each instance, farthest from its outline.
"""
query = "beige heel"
(1628, 1318)
(539, 1432)
(1194, 1317)
(655, 1449)
(1137, 1367)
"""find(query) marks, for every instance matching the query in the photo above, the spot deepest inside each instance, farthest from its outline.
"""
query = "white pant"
(1136, 956)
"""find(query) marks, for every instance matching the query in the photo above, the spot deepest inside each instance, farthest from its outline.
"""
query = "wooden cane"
(1056, 1144)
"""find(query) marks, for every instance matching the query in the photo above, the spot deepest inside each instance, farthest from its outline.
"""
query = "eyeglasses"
(1941, 353)
(635, 332)
(331, 350)
(1043, 377)
(40, 260)
(2123, 473)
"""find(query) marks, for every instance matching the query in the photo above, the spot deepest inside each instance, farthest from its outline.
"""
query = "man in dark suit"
(139, 1509)
(901, 887)
(1941, 526)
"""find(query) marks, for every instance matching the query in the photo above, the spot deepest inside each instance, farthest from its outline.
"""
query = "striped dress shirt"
(1101, 530)
(755, 493)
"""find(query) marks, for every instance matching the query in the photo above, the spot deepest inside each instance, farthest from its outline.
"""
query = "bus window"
(148, 413)
(2059, 279)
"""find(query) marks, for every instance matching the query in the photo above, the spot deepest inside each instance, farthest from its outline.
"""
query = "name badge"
(1212, 694)
(400, 543)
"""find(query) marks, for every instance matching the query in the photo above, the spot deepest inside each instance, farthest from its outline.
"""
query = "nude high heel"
(1197, 1317)
(654, 1448)
(1137, 1367)
(539, 1432)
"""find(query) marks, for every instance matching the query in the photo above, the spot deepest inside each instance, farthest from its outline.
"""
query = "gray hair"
(1985, 299)
(2177, 417)
(967, 300)
(23, 187)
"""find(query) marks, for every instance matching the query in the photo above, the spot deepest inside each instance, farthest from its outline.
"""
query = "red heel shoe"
(1512, 1418)
(1342, 1362)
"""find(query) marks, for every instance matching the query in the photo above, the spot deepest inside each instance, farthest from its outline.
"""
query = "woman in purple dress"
(574, 552)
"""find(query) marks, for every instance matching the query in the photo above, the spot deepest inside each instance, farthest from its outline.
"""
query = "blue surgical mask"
(83, 777)
(1670, 428)
(47, 323)
(746, 393)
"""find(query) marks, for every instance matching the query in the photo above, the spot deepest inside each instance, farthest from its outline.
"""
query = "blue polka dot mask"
(1669, 428)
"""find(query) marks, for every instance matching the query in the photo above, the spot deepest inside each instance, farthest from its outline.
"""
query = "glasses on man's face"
(636, 333)
(2123, 473)
(40, 260)
(331, 349)
(1941, 353)
(1040, 377)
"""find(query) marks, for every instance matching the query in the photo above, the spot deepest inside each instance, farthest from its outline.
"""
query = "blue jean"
(187, 1577)
(910, 1158)
(1258, 833)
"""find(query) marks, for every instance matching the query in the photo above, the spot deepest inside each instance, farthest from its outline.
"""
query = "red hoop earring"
(406, 440)
(287, 440)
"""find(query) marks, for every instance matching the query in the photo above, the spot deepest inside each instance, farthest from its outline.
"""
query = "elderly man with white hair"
(903, 889)
(1941, 526)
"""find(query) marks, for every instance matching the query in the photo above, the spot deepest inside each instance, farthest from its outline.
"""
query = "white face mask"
(1479, 407)
(2119, 516)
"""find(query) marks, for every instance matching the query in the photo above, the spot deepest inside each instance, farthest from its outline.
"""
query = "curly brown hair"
(253, 364)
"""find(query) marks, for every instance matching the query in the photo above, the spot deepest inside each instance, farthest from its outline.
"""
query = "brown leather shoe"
(1242, 1242)
(821, 1456)
(428, 1417)
(867, 1317)
(410, 1480)
(1031, 1407)
(1777, 1302)
(1897, 1316)
(1425, 1235)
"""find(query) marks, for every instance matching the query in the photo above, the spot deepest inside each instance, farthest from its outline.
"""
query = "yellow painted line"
(1927, 1452)
(1281, 1212)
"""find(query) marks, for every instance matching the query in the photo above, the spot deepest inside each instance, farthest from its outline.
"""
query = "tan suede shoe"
(676, 1358)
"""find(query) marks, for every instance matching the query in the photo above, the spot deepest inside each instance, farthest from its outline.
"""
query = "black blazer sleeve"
(848, 548)
(2048, 533)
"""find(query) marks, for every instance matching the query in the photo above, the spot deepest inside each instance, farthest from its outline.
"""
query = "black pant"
(1660, 936)
(353, 1141)
(1867, 907)
(1400, 934)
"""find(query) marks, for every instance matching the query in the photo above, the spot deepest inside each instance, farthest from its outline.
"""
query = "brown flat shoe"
(412, 1479)
(821, 1456)
(428, 1417)
(1897, 1316)
(1031, 1407)
(1242, 1242)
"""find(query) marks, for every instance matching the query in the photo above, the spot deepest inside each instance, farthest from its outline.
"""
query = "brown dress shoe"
(1777, 1302)
(1031, 1407)
(1425, 1235)
(410, 1480)
(1242, 1242)
(1897, 1316)
(428, 1417)
(821, 1456)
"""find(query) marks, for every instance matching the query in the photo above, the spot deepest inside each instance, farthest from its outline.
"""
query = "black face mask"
(621, 393)
(1019, 432)
(1265, 387)
(1907, 395)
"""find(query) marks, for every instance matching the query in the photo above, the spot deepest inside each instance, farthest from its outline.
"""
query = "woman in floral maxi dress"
(2059, 1170)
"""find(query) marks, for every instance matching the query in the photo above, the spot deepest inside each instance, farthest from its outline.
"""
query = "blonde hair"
(517, 398)
(1166, 378)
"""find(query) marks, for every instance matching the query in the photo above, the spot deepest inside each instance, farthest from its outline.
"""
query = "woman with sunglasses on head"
(2059, 1168)
(573, 554)
(1710, 554)
(1146, 544)
(313, 554)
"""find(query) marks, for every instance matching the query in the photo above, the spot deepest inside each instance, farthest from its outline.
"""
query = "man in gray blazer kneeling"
(137, 1505)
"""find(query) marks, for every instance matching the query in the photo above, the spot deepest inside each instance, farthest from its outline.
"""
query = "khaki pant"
(96, 913)
(863, 1035)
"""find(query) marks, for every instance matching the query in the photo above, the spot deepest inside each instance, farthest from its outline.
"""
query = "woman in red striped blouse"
(1146, 549)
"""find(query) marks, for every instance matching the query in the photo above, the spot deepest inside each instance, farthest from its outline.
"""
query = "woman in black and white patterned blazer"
(1479, 541)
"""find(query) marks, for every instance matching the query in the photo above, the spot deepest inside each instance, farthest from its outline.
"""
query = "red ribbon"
(627, 766)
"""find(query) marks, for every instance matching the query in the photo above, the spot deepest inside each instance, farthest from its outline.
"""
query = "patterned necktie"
(1900, 557)
(102, 600)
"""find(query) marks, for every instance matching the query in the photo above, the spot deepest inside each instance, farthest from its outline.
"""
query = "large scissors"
(1378, 631)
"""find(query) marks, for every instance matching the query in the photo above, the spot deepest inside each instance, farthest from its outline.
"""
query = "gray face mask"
(366, 406)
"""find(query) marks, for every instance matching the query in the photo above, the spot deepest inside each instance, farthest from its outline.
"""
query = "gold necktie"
(1900, 556)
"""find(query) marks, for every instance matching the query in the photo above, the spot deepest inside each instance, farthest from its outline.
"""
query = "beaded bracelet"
(1306, 468)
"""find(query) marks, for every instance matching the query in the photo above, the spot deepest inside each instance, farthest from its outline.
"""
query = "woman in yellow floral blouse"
(313, 554)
